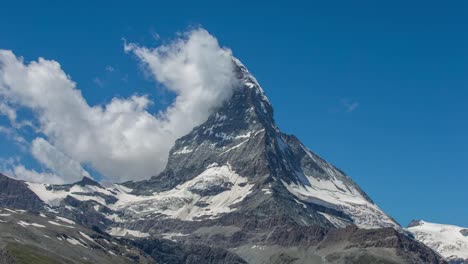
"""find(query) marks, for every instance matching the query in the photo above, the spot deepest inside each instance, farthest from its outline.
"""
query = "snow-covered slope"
(215, 191)
(448, 240)
(337, 193)
(54, 194)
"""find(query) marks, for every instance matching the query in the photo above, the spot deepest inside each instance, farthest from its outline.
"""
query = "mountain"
(241, 190)
(449, 240)
(240, 155)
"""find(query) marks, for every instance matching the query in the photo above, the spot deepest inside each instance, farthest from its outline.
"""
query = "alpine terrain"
(450, 241)
(235, 190)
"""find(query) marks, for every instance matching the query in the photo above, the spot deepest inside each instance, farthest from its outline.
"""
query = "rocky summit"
(235, 190)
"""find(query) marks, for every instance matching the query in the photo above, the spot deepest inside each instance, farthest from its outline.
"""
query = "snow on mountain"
(54, 194)
(121, 232)
(213, 192)
(448, 240)
(336, 193)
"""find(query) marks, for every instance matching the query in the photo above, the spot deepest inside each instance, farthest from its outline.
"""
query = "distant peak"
(86, 181)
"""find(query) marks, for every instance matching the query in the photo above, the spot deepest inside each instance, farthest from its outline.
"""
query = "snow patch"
(248, 135)
(90, 239)
(121, 232)
(58, 224)
(53, 197)
(63, 219)
(26, 224)
(172, 236)
(75, 242)
(185, 150)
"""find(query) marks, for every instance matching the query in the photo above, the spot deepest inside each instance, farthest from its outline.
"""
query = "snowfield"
(448, 240)
(185, 201)
(210, 194)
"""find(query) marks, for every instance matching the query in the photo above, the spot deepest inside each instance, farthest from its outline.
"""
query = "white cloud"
(22, 173)
(57, 161)
(197, 70)
(121, 139)
(11, 168)
(109, 68)
(349, 106)
(8, 111)
(13, 135)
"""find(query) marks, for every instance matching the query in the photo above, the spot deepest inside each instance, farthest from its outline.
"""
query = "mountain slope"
(448, 240)
(39, 238)
(31, 237)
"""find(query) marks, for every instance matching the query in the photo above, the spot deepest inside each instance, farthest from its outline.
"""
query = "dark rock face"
(84, 213)
(410, 250)
(16, 194)
(87, 182)
(166, 251)
(66, 187)
(354, 239)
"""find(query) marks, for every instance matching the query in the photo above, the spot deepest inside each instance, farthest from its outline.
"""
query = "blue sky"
(378, 89)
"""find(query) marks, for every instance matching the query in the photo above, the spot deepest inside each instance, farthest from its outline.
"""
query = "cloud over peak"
(121, 140)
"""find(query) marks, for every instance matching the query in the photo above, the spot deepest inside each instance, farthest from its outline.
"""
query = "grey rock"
(16, 194)
(464, 232)
(166, 251)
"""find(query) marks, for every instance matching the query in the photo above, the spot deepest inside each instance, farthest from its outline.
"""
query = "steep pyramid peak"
(248, 101)
(281, 172)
